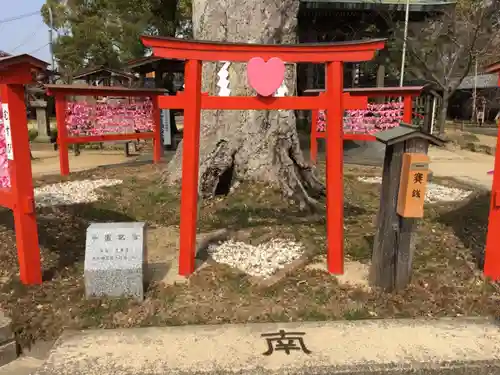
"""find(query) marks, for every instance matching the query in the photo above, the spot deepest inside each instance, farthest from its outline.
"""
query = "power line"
(27, 38)
(21, 16)
(38, 49)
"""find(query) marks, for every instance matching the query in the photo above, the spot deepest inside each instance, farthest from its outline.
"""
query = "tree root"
(296, 178)
(217, 163)
(300, 180)
(224, 161)
(313, 185)
(302, 186)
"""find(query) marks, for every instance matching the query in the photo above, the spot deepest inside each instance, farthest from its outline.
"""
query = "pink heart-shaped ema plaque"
(265, 77)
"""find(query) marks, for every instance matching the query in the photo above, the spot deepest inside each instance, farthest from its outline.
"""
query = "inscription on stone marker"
(165, 128)
(114, 258)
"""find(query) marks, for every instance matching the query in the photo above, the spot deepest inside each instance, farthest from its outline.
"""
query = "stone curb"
(454, 368)
(8, 353)
(8, 345)
(480, 148)
(371, 347)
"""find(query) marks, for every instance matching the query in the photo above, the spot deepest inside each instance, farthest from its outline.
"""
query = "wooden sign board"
(413, 184)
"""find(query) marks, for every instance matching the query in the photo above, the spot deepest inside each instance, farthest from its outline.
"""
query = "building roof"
(98, 69)
(377, 91)
(415, 5)
(484, 81)
(147, 64)
(493, 68)
(142, 61)
(6, 61)
(405, 132)
(102, 90)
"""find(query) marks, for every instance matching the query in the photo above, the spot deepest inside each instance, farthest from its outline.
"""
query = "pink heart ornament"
(265, 76)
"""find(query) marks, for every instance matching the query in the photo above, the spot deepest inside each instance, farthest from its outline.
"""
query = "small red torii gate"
(334, 101)
(15, 72)
(492, 249)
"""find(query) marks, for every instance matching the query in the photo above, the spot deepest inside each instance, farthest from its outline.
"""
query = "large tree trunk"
(243, 145)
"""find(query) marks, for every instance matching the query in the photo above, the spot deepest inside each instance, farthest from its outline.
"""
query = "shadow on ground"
(470, 224)
(62, 232)
(240, 217)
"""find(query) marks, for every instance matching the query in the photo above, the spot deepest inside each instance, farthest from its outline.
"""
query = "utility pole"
(51, 40)
(405, 41)
(474, 95)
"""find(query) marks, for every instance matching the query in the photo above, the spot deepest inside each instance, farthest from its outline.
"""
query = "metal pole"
(403, 57)
(433, 119)
(474, 95)
(51, 28)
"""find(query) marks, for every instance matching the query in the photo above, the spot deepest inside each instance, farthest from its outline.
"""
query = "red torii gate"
(15, 72)
(492, 250)
(334, 101)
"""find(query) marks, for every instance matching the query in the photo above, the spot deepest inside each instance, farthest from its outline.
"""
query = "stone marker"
(114, 260)
(43, 125)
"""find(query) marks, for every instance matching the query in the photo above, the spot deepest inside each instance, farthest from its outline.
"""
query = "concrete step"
(30, 360)
(396, 347)
(8, 345)
(6, 334)
(22, 366)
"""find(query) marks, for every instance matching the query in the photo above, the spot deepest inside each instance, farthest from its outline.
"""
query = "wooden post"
(492, 249)
(62, 134)
(393, 248)
(23, 208)
(157, 141)
(334, 167)
(314, 140)
(407, 110)
(190, 161)
(158, 75)
(380, 82)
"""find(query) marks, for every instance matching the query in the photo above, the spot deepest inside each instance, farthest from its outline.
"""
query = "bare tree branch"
(443, 48)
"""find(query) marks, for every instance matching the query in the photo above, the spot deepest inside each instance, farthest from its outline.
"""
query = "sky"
(27, 35)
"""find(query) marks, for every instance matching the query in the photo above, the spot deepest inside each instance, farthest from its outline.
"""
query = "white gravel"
(435, 193)
(71, 192)
(262, 260)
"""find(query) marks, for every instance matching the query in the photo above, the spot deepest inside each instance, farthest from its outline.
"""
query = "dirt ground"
(447, 279)
(481, 143)
(46, 160)
(464, 165)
